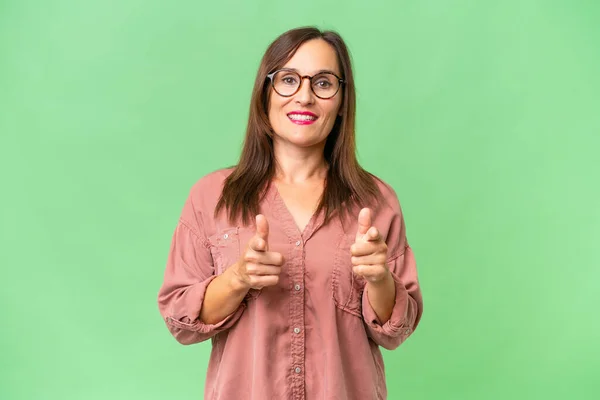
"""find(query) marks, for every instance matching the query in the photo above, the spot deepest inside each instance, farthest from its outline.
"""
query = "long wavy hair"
(347, 183)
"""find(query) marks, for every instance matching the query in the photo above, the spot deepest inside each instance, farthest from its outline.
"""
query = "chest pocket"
(226, 247)
(347, 288)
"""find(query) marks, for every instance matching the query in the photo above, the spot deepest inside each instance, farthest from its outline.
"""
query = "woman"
(295, 262)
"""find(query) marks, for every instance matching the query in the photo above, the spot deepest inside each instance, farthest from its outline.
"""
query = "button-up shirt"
(314, 335)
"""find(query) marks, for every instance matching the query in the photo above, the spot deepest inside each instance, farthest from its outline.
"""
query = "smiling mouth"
(301, 117)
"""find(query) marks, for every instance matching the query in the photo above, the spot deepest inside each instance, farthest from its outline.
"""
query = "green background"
(483, 115)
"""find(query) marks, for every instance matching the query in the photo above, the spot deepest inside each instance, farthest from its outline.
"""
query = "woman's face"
(312, 129)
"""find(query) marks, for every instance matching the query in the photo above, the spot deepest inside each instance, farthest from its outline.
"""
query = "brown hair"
(346, 181)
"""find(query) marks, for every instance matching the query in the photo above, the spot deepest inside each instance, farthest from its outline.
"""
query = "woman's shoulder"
(214, 178)
(202, 199)
(207, 188)
(389, 197)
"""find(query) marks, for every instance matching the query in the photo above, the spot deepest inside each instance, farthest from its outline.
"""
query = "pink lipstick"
(302, 117)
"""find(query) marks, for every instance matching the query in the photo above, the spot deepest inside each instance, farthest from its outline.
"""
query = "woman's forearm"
(382, 296)
(224, 295)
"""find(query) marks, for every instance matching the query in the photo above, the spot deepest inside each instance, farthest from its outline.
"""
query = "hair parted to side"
(347, 183)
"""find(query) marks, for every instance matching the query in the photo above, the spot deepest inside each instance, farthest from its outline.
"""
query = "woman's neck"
(299, 165)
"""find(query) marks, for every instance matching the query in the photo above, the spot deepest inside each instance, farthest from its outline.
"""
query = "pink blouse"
(312, 336)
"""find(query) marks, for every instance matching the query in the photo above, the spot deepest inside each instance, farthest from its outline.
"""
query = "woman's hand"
(369, 251)
(258, 267)
(369, 257)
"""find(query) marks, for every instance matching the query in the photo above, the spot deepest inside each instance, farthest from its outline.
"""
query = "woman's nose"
(305, 94)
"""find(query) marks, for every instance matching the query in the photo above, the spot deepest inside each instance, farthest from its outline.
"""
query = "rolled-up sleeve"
(188, 273)
(408, 305)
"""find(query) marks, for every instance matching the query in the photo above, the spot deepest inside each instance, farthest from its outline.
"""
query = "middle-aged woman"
(295, 262)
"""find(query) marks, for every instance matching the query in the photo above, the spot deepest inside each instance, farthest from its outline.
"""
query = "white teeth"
(299, 117)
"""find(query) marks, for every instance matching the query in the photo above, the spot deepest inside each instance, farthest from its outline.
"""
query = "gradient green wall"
(483, 115)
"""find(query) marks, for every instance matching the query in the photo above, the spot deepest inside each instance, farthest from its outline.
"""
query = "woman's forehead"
(313, 57)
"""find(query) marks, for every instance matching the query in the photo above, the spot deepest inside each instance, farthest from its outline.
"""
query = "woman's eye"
(289, 80)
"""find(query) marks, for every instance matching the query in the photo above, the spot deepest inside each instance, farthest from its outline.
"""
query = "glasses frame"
(302, 77)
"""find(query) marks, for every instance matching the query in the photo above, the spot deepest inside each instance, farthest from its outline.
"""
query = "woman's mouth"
(302, 118)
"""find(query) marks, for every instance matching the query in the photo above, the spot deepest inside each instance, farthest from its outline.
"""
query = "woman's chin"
(303, 140)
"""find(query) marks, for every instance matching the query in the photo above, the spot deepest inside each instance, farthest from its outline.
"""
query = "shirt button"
(296, 330)
(298, 370)
(297, 287)
(225, 236)
(298, 243)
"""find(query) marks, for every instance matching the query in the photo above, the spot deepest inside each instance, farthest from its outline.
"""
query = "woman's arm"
(256, 268)
(392, 303)
(223, 297)
(188, 274)
(382, 297)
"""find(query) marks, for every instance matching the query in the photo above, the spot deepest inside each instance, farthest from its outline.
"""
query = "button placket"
(297, 318)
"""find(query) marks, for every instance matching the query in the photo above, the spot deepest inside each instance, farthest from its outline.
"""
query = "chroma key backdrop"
(483, 115)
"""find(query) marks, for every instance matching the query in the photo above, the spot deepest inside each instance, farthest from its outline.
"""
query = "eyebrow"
(316, 73)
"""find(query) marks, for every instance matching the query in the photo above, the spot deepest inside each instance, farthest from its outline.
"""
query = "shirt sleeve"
(188, 273)
(408, 305)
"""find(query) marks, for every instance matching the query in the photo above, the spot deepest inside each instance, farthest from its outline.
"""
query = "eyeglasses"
(287, 82)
